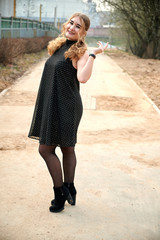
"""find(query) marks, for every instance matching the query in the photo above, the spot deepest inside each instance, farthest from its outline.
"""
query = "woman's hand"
(101, 48)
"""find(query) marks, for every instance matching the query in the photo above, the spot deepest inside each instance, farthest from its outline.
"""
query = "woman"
(58, 108)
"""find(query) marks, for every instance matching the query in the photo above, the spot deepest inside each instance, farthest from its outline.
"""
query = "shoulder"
(55, 44)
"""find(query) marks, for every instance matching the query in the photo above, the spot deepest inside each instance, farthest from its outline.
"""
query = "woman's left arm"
(85, 63)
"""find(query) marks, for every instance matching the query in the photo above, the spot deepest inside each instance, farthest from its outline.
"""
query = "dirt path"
(118, 170)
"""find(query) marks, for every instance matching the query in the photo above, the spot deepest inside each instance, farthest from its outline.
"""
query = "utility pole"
(40, 13)
(55, 16)
(14, 9)
(28, 10)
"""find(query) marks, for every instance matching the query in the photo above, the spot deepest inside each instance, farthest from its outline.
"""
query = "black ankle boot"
(72, 190)
(61, 195)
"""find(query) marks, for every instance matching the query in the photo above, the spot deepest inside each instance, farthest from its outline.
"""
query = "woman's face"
(74, 29)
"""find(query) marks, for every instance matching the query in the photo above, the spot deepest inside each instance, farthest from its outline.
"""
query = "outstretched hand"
(101, 48)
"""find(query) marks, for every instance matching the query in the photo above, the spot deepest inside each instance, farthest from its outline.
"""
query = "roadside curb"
(4, 91)
(145, 95)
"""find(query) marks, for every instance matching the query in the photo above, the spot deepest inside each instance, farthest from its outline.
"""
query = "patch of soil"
(108, 103)
(22, 98)
(145, 72)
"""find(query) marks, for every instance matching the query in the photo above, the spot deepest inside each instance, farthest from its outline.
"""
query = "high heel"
(61, 195)
(73, 192)
(74, 200)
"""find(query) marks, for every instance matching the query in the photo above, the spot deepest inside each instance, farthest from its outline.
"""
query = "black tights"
(54, 165)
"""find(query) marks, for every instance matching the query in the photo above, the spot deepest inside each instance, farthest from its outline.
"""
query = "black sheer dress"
(58, 108)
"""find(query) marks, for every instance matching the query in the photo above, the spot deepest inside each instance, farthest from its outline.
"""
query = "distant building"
(61, 9)
(53, 11)
(57, 11)
(7, 8)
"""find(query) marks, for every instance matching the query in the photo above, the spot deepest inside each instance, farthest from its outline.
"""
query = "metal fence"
(11, 27)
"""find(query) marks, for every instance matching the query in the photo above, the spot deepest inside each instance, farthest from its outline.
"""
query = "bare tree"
(141, 22)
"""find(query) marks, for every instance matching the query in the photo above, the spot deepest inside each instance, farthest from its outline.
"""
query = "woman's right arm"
(85, 63)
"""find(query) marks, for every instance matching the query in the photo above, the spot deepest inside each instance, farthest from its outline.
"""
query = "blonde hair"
(78, 48)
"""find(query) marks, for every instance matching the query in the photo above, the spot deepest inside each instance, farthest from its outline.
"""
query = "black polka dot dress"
(58, 108)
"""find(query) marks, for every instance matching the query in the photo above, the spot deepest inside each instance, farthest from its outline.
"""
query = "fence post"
(11, 27)
(20, 28)
(0, 26)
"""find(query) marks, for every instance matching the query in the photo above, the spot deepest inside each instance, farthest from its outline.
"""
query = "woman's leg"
(53, 163)
(69, 163)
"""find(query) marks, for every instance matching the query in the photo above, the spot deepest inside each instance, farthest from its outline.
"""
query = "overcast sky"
(101, 6)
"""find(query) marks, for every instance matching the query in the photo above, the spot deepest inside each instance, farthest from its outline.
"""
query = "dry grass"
(11, 48)
(17, 55)
(10, 72)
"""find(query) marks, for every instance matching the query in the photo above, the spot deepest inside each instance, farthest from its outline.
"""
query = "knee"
(67, 150)
(42, 151)
(45, 150)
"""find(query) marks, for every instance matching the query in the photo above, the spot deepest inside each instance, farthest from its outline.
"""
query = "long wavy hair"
(78, 48)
